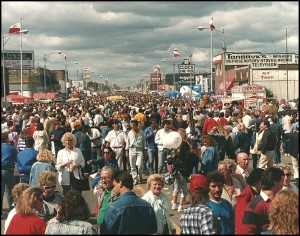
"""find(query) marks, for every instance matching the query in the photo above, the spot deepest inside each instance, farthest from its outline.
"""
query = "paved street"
(140, 190)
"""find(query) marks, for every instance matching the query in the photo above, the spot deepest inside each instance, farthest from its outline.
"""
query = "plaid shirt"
(197, 220)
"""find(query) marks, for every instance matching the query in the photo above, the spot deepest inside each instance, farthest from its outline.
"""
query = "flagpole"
(3, 68)
(66, 78)
(21, 58)
(174, 71)
(211, 59)
(157, 87)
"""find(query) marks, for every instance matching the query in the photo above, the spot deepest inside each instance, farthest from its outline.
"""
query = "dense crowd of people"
(120, 142)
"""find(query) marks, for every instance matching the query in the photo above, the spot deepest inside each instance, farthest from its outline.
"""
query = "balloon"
(172, 140)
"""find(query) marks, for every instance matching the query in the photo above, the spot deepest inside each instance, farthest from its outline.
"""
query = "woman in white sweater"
(160, 204)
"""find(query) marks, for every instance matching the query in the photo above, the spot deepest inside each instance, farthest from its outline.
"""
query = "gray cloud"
(124, 40)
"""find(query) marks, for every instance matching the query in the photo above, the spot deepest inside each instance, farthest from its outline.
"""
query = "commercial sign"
(273, 75)
(12, 59)
(186, 67)
(260, 60)
(155, 78)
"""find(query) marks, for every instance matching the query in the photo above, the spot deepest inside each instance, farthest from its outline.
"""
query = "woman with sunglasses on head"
(52, 199)
(27, 221)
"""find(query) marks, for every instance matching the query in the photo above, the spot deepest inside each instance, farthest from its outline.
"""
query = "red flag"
(211, 23)
(15, 29)
(176, 54)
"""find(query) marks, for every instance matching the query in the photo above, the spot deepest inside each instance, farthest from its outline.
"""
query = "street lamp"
(287, 68)
(201, 28)
(46, 57)
(75, 62)
(175, 51)
(21, 57)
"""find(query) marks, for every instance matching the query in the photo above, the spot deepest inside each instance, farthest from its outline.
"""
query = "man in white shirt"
(116, 139)
(96, 141)
(286, 125)
(162, 154)
(98, 118)
(246, 118)
(135, 150)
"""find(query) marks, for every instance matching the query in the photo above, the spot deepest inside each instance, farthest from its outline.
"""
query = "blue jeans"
(95, 152)
(162, 157)
(277, 154)
(24, 178)
(152, 157)
(7, 184)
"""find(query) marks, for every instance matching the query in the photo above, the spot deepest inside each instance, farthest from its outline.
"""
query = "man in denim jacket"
(128, 214)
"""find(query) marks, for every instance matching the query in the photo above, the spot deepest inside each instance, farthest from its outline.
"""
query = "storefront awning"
(229, 84)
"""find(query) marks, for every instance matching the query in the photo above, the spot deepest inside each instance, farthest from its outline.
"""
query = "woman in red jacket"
(27, 221)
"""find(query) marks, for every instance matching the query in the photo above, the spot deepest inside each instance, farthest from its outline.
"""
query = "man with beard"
(222, 208)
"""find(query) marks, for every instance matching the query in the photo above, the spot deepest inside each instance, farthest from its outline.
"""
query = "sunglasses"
(289, 174)
(49, 187)
(106, 152)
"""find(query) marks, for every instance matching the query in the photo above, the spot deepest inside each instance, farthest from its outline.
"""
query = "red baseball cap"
(198, 183)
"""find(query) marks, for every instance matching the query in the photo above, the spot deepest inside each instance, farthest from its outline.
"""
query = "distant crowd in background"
(120, 143)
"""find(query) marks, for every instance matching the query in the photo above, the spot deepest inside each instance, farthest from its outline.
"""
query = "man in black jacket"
(267, 147)
(277, 129)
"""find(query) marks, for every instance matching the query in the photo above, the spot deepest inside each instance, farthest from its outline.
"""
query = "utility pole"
(287, 68)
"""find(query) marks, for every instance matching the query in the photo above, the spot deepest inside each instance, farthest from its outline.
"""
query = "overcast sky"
(122, 41)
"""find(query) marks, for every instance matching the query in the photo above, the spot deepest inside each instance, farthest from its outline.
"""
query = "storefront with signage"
(252, 95)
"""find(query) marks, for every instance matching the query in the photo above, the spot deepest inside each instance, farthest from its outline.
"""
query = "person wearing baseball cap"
(198, 219)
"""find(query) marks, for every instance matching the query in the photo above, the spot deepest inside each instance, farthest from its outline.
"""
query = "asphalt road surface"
(140, 190)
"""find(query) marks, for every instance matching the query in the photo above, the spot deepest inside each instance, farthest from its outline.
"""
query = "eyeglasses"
(106, 152)
(49, 187)
(288, 174)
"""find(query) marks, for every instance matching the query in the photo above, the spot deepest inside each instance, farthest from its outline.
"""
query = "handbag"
(81, 184)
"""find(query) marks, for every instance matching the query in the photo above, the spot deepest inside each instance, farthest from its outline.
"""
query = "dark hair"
(113, 154)
(29, 141)
(267, 123)
(255, 176)
(85, 128)
(4, 137)
(168, 122)
(40, 127)
(73, 207)
(271, 175)
(215, 176)
(134, 122)
(124, 177)
(115, 121)
(102, 124)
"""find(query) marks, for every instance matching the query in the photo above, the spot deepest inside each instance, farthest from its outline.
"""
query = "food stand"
(253, 96)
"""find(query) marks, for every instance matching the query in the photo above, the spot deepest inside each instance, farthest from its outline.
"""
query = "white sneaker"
(174, 206)
(180, 208)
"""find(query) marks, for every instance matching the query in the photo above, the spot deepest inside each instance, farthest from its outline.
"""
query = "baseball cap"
(198, 183)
